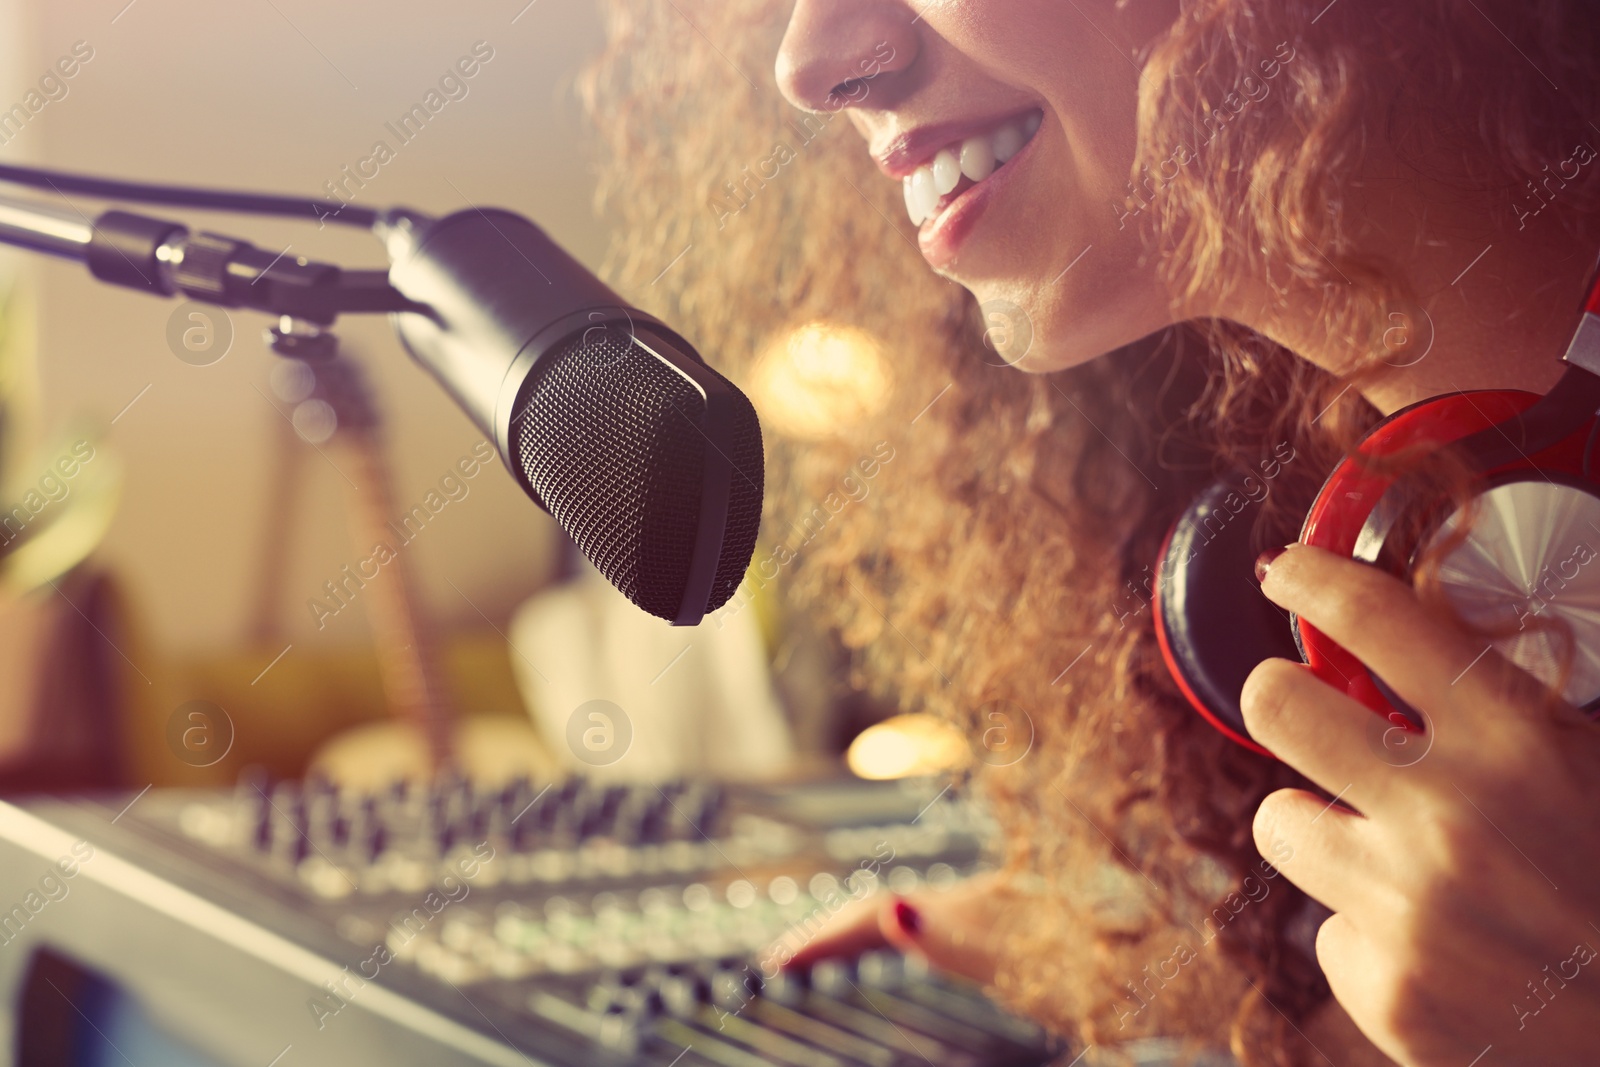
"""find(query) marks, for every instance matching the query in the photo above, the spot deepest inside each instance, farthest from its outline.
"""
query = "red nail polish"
(908, 918)
(1266, 560)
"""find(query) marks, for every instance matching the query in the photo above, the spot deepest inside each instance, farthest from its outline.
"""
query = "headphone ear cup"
(1338, 516)
(1212, 622)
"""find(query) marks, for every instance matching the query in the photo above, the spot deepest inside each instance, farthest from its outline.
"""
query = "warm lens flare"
(819, 380)
(907, 746)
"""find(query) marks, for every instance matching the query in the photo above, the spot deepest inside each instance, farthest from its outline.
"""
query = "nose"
(834, 48)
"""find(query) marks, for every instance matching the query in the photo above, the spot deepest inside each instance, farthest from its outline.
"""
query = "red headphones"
(1532, 549)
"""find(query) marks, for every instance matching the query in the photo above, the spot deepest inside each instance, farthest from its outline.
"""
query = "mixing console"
(580, 923)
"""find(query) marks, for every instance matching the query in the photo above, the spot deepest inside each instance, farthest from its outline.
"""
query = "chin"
(1068, 353)
(1040, 332)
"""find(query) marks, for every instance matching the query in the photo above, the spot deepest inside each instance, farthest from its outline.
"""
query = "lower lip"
(940, 240)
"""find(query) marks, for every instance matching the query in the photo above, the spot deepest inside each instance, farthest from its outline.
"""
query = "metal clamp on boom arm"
(164, 258)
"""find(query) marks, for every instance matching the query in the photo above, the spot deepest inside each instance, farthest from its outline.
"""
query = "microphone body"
(650, 460)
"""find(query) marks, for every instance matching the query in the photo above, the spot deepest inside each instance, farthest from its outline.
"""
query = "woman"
(1215, 232)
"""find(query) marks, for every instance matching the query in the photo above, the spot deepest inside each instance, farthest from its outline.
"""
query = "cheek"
(1062, 248)
(1074, 59)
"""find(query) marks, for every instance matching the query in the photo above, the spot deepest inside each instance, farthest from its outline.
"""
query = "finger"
(1378, 618)
(1346, 958)
(954, 929)
(1317, 730)
(850, 931)
(1357, 976)
(947, 929)
(1317, 845)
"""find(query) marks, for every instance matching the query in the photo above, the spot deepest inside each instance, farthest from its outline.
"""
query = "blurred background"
(161, 605)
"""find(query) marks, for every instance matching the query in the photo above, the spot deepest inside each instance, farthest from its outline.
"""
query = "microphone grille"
(612, 443)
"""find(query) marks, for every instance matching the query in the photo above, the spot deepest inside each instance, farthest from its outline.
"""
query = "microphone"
(649, 460)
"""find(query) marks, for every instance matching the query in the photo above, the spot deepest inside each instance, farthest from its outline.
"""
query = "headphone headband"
(1569, 405)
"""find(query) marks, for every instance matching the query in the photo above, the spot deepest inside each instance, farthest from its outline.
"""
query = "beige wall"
(279, 95)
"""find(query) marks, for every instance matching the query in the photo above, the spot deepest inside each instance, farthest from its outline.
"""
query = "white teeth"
(924, 190)
(977, 158)
(946, 171)
(1008, 141)
(916, 213)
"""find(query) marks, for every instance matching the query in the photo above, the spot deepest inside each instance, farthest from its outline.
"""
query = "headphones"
(1525, 548)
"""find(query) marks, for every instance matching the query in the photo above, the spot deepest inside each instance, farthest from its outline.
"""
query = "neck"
(1496, 305)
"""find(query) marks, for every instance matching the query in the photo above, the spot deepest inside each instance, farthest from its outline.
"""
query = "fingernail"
(1265, 560)
(909, 920)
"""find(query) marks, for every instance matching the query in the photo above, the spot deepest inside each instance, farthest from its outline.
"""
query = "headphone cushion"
(1212, 622)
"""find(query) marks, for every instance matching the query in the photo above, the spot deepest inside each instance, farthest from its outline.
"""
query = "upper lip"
(899, 154)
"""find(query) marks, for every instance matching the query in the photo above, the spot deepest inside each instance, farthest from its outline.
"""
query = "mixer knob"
(695, 813)
(285, 799)
(732, 988)
(250, 805)
(322, 812)
(436, 831)
(292, 847)
(459, 806)
(591, 819)
(833, 977)
(631, 821)
(684, 993)
(384, 808)
(786, 987)
(621, 1032)
(472, 824)
(287, 832)
(261, 823)
(711, 799)
(448, 783)
(630, 993)
(499, 809)
(374, 842)
(881, 968)
(524, 833)
(569, 791)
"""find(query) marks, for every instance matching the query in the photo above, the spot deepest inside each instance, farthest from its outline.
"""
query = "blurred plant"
(58, 496)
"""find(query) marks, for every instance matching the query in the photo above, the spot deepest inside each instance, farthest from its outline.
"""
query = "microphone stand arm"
(165, 258)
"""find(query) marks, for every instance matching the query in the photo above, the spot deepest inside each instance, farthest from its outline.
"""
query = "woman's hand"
(953, 928)
(1465, 883)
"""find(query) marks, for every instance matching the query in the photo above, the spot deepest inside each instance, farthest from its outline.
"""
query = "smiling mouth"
(959, 166)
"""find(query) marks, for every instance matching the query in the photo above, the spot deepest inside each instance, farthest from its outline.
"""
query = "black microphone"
(650, 460)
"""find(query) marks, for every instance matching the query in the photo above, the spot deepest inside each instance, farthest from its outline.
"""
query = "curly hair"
(1004, 560)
